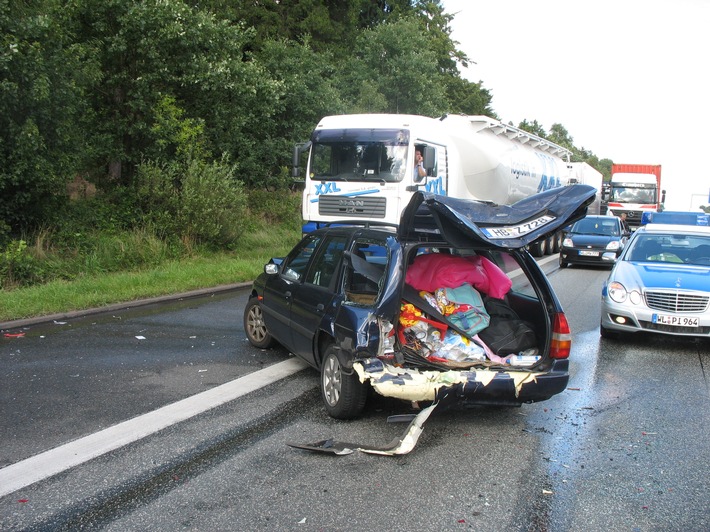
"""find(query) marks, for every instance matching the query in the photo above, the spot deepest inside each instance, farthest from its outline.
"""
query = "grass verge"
(169, 278)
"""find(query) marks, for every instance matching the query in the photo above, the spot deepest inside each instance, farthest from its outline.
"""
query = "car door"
(280, 290)
(312, 299)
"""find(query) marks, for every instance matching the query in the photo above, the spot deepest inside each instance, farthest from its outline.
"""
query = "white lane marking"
(46, 464)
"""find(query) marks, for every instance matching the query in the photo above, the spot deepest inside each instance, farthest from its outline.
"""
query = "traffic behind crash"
(449, 302)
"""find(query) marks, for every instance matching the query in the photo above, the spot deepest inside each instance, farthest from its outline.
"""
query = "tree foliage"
(123, 92)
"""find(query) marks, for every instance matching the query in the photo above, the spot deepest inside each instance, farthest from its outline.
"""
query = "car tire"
(343, 394)
(563, 264)
(254, 326)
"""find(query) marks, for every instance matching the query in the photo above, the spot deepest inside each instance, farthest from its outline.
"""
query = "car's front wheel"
(343, 394)
(257, 333)
(563, 264)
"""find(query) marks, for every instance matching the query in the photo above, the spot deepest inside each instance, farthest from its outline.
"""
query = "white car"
(660, 283)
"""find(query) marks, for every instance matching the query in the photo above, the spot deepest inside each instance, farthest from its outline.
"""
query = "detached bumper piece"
(398, 446)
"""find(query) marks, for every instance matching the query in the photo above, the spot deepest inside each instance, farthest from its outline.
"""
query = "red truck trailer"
(635, 189)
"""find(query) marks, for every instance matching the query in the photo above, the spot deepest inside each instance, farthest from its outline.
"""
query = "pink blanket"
(438, 270)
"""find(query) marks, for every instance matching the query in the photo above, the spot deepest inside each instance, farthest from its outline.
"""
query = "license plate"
(679, 321)
(585, 253)
(514, 231)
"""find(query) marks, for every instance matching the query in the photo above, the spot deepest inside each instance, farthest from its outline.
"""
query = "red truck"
(635, 189)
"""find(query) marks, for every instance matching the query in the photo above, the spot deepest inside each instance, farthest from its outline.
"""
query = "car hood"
(581, 239)
(661, 275)
(505, 226)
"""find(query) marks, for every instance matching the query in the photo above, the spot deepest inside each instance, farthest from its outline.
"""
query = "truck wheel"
(550, 245)
(537, 249)
(343, 394)
(254, 326)
(557, 242)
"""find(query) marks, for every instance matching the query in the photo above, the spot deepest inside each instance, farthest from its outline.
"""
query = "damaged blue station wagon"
(450, 301)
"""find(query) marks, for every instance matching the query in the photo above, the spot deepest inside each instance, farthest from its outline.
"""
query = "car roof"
(674, 228)
(462, 222)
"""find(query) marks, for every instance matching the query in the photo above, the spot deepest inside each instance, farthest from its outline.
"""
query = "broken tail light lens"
(561, 337)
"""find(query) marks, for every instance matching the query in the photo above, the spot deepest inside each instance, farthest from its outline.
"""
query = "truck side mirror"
(298, 149)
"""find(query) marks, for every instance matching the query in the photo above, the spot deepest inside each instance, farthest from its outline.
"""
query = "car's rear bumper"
(472, 386)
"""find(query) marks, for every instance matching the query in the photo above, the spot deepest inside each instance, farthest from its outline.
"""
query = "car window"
(506, 262)
(297, 262)
(326, 262)
(364, 275)
(679, 248)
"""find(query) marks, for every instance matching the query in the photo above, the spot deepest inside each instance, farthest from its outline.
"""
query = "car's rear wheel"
(343, 394)
(257, 333)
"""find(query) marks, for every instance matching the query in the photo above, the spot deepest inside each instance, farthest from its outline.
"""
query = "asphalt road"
(624, 448)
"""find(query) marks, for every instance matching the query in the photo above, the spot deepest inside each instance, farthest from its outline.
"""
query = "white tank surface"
(502, 163)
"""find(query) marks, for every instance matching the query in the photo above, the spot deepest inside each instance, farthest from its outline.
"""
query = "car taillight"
(561, 337)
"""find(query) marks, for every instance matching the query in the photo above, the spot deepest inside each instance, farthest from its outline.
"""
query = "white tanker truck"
(362, 167)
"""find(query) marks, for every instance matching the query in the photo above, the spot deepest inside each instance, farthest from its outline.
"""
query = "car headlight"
(635, 297)
(567, 243)
(617, 292)
(613, 245)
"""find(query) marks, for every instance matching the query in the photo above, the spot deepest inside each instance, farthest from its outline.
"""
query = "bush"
(281, 207)
(18, 267)
(202, 202)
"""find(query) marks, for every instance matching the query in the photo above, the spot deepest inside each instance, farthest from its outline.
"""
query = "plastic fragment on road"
(140, 337)
(403, 445)
(14, 335)
(398, 446)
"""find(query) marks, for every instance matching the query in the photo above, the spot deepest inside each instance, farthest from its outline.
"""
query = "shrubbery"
(178, 211)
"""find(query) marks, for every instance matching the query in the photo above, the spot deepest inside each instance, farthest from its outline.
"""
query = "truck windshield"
(359, 155)
(633, 195)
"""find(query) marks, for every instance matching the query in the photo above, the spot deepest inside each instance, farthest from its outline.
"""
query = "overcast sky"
(628, 79)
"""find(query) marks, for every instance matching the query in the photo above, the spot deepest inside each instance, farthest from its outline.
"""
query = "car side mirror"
(271, 268)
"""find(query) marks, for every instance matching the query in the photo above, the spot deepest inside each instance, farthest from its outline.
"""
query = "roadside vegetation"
(145, 146)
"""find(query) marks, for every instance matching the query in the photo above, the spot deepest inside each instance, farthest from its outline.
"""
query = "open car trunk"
(473, 311)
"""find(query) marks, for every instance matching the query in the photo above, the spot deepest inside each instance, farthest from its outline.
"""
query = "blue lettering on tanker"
(547, 180)
(332, 188)
(436, 186)
(325, 188)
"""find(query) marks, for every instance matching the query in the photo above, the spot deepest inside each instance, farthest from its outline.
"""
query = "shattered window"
(365, 273)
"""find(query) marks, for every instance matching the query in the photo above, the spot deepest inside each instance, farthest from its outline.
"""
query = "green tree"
(394, 64)
(45, 137)
(154, 49)
(533, 127)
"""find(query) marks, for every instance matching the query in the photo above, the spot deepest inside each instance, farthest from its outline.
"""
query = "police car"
(661, 281)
